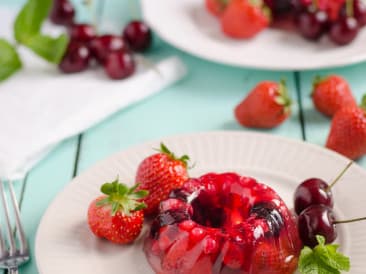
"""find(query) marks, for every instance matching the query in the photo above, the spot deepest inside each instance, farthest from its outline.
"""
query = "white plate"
(188, 26)
(64, 243)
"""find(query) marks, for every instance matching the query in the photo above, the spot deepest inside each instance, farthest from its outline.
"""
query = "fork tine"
(11, 239)
(18, 224)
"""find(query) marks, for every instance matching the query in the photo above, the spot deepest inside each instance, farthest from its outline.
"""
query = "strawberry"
(216, 7)
(245, 18)
(331, 93)
(266, 106)
(348, 131)
(160, 173)
(117, 216)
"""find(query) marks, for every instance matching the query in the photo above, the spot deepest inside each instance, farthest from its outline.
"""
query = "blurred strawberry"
(266, 106)
(348, 131)
(331, 93)
(244, 18)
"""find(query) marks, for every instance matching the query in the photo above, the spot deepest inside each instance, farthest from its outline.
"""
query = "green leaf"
(323, 259)
(107, 188)
(139, 194)
(9, 60)
(122, 189)
(51, 49)
(29, 20)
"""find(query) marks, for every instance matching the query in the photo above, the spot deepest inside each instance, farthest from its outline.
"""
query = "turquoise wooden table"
(203, 101)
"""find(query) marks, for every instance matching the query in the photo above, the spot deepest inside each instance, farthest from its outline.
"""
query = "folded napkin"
(39, 106)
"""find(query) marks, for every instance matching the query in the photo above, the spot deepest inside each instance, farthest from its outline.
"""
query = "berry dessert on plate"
(220, 224)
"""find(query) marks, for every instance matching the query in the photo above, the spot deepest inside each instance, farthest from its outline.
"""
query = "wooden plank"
(204, 100)
(42, 185)
(316, 125)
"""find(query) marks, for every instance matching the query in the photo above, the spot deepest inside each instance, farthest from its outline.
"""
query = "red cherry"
(76, 58)
(359, 9)
(316, 220)
(138, 36)
(101, 46)
(82, 33)
(119, 64)
(312, 24)
(344, 31)
(62, 13)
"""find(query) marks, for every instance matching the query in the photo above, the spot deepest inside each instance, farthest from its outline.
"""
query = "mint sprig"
(9, 60)
(28, 32)
(323, 259)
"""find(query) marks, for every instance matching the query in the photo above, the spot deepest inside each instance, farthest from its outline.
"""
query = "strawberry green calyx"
(317, 80)
(283, 97)
(122, 198)
(363, 103)
(184, 159)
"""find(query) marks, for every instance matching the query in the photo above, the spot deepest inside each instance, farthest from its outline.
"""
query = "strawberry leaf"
(323, 259)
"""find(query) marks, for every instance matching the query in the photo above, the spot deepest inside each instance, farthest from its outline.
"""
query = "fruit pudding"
(223, 224)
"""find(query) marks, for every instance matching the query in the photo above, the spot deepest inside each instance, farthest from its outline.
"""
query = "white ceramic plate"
(64, 243)
(188, 26)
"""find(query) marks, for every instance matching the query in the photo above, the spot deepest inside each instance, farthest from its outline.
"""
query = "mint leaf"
(323, 259)
(9, 60)
(29, 20)
(51, 49)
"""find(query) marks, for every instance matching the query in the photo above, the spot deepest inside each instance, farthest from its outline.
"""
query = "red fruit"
(266, 106)
(117, 216)
(344, 30)
(101, 46)
(76, 58)
(119, 64)
(160, 173)
(331, 93)
(62, 12)
(264, 241)
(216, 7)
(245, 19)
(138, 36)
(83, 33)
(347, 134)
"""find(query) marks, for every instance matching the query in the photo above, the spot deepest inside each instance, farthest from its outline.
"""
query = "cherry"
(76, 58)
(344, 30)
(82, 32)
(319, 220)
(101, 46)
(358, 12)
(316, 220)
(278, 6)
(62, 12)
(315, 191)
(119, 64)
(138, 36)
(312, 24)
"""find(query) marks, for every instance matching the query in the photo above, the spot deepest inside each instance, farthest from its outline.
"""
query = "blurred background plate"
(188, 26)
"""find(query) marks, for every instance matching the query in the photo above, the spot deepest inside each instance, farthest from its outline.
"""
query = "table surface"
(203, 101)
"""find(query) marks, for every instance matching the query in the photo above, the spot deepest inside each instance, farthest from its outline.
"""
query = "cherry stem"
(349, 8)
(350, 221)
(340, 175)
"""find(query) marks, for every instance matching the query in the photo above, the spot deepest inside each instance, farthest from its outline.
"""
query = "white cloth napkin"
(39, 106)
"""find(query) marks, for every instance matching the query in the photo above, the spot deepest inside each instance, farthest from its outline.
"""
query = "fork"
(11, 255)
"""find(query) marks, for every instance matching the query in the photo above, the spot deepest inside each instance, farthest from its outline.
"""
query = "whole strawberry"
(348, 131)
(266, 106)
(117, 216)
(331, 93)
(245, 18)
(160, 173)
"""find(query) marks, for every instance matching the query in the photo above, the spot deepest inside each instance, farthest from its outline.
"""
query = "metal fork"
(11, 255)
